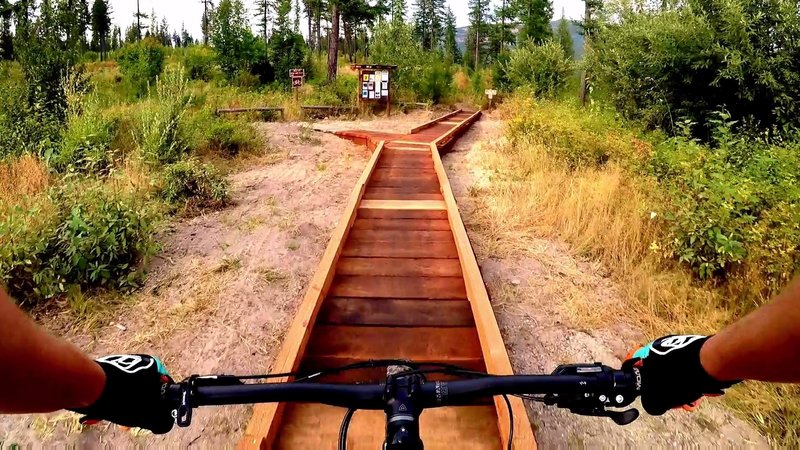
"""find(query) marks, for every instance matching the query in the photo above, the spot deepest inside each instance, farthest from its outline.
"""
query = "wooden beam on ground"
(404, 205)
(253, 109)
(435, 121)
(265, 422)
(492, 345)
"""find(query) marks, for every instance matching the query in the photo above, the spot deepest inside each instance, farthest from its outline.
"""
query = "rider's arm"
(764, 345)
(42, 373)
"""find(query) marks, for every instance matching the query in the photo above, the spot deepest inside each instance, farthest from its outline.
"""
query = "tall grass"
(541, 184)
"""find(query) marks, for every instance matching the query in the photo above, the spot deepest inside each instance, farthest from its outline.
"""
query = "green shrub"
(190, 186)
(287, 50)
(158, 133)
(692, 61)
(25, 128)
(141, 62)
(200, 62)
(543, 68)
(436, 82)
(79, 236)
(204, 132)
(86, 140)
(341, 92)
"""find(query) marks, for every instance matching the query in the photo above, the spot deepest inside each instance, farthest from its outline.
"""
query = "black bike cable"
(510, 423)
(344, 427)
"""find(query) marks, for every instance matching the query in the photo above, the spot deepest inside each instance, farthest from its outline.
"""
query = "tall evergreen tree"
(263, 16)
(116, 39)
(451, 50)
(503, 29)
(72, 18)
(138, 16)
(398, 10)
(477, 38)
(564, 36)
(101, 27)
(535, 17)
(186, 38)
(205, 24)
(6, 36)
(296, 16)
(429, 23)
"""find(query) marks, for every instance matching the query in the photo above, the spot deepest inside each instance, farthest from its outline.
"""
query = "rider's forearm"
(764, 345)
(41, 373)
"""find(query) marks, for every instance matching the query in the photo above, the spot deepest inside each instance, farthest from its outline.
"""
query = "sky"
(189, 12)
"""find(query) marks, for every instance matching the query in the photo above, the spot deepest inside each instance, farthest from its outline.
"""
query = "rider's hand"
(132, 394)
(672, 375)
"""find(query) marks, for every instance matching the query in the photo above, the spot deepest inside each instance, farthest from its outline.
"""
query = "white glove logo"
(666, 345)
(128, 363)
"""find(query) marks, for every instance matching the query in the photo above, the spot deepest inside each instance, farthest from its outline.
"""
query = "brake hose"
(510, 423)
(343, 428)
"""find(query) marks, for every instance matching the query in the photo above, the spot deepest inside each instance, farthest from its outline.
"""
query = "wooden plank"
(403, 190)
(433, 122)
(366, 213)
(492, 345)
(392, 172)
(401, 236)
(399, 267)
(415, 249)
(401, 196)
(441, 288)
(420, 182)
(401, 224)
(264, 424)
(410, 149)
(404, 163)
(447, 138)
(412, 343)
(395, 312)
(406, 205)
(316, 427)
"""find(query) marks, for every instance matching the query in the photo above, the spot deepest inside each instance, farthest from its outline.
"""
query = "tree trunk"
(310, 31)
(333, 42)
(584, 94)
(318, 42)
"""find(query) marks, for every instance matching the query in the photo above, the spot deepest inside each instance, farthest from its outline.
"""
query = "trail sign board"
(297, 76)
(491, 93)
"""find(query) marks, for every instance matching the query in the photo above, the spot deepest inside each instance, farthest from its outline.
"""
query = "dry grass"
(602, 212)
(22, 178)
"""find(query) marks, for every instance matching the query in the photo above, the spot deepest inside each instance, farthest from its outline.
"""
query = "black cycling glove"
(671, 373)
(132, 394)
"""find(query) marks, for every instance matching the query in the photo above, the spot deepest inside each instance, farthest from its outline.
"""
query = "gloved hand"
(132, 394)
(671, 373)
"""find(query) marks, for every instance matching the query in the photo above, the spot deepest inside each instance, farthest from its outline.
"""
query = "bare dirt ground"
(549, 305)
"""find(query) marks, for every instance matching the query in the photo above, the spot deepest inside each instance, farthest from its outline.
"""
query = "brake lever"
(183, 413)
(595, 403)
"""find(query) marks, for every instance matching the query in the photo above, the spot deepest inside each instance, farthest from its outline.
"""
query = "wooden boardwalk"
(398, 280)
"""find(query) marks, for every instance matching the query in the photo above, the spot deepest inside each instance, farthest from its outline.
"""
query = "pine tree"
(296, 16)
(451, 50)
(478, 30)
(116, 39)
(176, 39)
(535, 17)
(138, 16)
(428, 23)
(205, 24)
(186, 38)
(398, 10)
(564, 36)
(101, 27)
(503, 28)
(72, 19)
(6, 37)
(263, 16)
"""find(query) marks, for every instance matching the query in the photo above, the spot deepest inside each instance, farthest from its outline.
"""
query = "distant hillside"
(577, 38)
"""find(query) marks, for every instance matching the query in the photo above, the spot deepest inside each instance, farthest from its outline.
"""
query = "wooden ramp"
(398, 280)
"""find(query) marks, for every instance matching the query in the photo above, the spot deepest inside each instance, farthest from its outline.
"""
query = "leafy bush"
(78, 236)
(86, 140)
(191, 186)
(204, 132)
(199, 62)
(542, 68)
(287, 50)
(141, 62)
(393, 43)
(693, 61)
(435, 83)
(237, 48)
(340, 92)
(25, 128)
(157, 135)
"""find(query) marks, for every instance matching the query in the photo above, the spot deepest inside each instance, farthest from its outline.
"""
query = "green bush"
(158, 133)
(204, 132)
(436, 82)
(692, 61)
(543, 68)
(86, 140)
(340, 92)
(79, 236)
(200, 62)
(25, 128)
(287, 50)
(141, 63)
(735, 204)
(190, 186)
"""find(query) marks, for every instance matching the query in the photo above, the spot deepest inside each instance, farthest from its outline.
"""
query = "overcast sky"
(189, 12)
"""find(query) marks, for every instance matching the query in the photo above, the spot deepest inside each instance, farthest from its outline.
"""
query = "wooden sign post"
(298, 76)
(490, 93)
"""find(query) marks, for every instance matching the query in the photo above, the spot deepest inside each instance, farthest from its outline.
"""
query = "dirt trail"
(537, 293)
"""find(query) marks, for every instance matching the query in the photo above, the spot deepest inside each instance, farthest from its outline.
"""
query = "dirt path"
(550, 305)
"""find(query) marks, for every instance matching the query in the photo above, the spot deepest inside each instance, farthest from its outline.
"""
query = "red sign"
(297, 76)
